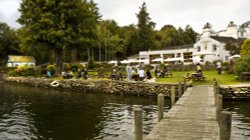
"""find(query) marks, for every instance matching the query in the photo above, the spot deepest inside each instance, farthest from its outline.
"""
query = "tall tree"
(233, 48)
(245, 48)
(146, 36)
(9, 43)
(55, 24)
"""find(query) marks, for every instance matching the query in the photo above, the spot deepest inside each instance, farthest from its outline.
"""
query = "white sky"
(175, 12)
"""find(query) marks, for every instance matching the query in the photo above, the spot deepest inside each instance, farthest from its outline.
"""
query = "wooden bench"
(244, 76)
(167, 74)
(195, 77)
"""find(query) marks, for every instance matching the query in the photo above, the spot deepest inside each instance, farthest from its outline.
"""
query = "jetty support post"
(138, 124)
(160, 101)
(172, 96)
(225, 125)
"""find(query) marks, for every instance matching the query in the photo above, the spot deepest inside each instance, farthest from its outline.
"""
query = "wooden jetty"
(193, 117)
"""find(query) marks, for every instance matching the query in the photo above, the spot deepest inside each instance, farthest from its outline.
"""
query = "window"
(214, 48)
(205, 47)
(178, 54)
(188, 56)
(198, 49)
(226, 58)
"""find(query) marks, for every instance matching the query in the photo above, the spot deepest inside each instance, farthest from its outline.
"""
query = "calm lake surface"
(44, 114)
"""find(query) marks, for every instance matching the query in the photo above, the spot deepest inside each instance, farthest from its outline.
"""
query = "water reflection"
(44, 114)
(47, 114)
(240, 119)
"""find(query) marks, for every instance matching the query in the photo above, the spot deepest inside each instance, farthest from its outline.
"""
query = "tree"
(245, 48)
(9, 43)
(54, 24)
(242, 65)
(146, 36)
(232, 48)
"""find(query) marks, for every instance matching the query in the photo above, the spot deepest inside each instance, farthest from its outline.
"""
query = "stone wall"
(104, 86)
(235, 92)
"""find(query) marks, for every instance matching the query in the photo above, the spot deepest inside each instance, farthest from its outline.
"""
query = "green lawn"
(223, 79)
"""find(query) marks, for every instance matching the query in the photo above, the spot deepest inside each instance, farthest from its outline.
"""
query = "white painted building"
(15, 61)
(210, 46)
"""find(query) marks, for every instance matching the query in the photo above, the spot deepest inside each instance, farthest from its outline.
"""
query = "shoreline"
(130, 88)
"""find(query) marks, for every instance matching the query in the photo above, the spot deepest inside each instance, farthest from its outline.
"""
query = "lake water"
(45, 114)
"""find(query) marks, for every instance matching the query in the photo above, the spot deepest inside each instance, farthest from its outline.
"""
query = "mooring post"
(225, 125)
(172, 96)
(160, 106)
(184, 85)
(138, 124)
(179, 89)
(219, 107)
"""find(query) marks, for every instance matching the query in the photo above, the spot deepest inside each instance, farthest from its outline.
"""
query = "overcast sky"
(175, 12)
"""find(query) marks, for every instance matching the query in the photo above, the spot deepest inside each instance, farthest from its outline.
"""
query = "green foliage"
(66, 67)
(23, 70)
(57, 25)
(232, 48)
(8, 41)
(242, 65)
(146, 35)
(245, 48)
(51, 68)
(91, 64)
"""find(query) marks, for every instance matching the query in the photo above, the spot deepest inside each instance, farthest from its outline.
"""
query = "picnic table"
(244, 76)
(195, 76)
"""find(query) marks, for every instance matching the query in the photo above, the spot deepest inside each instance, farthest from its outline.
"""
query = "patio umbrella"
(112, 62)
(234, 56)
(125, 62)
(157, 60)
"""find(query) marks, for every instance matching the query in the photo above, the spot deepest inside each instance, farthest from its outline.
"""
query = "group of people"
(137, 74)
(80, 73)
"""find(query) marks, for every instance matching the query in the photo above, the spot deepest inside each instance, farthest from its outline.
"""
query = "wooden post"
(160, 106)
(225, 125)
(184, 85)
(138, 124)
(179, 89)
(172, 96)
(219, 107)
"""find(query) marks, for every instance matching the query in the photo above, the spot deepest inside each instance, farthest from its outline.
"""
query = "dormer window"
(198, 49)
(214, 48)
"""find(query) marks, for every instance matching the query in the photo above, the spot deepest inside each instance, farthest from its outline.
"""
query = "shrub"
(51, 68)
(22, 70)
(242, 65)
(91, 64)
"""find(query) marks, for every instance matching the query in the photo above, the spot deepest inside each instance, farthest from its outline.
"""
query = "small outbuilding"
(15, 61)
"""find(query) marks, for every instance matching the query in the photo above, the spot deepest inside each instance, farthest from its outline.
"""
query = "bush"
(22, 70)
(51, 68)
(242, 65)
(91, 64)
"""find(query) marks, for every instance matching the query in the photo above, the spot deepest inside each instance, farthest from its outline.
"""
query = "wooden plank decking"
(193, 117)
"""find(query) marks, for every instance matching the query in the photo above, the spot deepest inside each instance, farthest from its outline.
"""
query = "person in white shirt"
(141, 74)
(219, 69)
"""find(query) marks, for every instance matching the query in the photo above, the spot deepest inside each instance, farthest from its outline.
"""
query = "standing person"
(149, 76)
(128, 72)
(219, 69)
(113, 74)
(141, 74)
(85, 74)
(79, 74)
(120, 77)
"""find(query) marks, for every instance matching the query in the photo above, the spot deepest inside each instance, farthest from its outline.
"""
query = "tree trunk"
(88, 53)
(73, 55)
(58, 57)
(100, 53)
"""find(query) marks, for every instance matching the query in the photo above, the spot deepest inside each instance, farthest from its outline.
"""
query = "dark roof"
(178, 47)
(227, 39)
